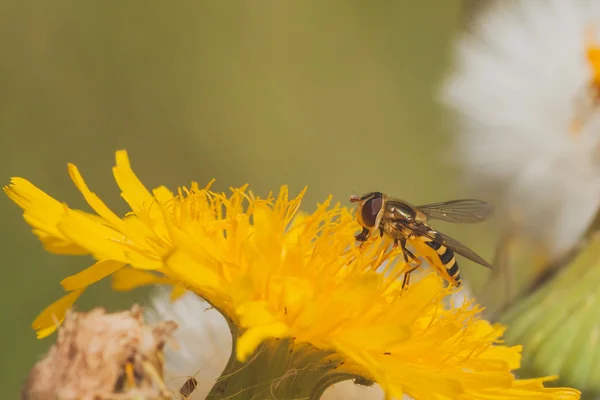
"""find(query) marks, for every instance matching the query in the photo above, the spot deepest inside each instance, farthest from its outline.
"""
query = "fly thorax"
(401, 212)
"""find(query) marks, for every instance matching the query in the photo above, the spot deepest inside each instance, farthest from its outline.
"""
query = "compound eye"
(369, 211)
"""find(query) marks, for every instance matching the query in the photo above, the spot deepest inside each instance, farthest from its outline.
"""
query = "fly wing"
(452, 244)
(465, 211)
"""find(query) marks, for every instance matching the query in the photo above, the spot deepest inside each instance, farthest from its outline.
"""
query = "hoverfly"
(404, 222)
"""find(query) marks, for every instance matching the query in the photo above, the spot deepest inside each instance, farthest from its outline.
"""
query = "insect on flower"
(188, 388)
(405, 223)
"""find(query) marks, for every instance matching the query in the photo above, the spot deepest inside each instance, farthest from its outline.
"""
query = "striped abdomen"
(447, 258)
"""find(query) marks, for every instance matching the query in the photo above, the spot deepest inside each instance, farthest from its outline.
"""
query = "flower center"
(588, 100)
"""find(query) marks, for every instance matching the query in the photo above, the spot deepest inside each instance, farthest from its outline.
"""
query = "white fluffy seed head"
(519, 90)
(203, 341)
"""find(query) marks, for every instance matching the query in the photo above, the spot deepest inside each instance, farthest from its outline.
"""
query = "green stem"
(279, 370)
(558, 326)
(329, 380)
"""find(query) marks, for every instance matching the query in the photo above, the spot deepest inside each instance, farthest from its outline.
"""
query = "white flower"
(528, 125)
(204, 344)
(203, 341)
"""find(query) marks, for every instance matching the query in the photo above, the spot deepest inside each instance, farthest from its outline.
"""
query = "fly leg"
(407, 276)
(407, 253)
(362, 236)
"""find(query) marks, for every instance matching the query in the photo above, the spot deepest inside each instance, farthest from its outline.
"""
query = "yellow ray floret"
(275, 273)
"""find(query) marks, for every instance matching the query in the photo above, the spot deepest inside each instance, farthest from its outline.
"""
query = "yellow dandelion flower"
(306, 306)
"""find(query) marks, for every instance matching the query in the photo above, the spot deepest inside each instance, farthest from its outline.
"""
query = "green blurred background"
(337, 95)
